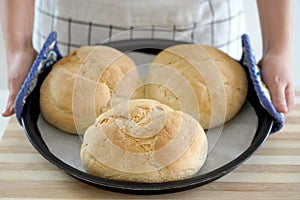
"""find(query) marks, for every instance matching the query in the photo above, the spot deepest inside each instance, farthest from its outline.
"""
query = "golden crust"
(81, 86)
(144, 141)
(213, 86)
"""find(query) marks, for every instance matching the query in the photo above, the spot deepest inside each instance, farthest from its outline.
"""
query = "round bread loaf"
(199, 80)
(144, 141)
(82, 85)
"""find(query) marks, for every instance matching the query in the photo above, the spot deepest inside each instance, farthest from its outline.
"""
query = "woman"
(217, 23)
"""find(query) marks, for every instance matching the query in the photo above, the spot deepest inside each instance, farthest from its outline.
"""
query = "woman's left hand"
(276, 74)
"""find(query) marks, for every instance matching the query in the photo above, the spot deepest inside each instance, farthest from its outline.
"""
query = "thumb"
(279, 99)
(9, 109)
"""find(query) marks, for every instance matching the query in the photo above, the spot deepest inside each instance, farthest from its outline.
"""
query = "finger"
(279, 99)
(290, 97)
(9, 109)
(15, 82)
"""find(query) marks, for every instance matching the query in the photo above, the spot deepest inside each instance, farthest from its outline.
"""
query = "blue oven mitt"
(248, 60)
(50, 54)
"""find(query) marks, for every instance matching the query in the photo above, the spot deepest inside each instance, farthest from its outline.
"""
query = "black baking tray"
(31, 114)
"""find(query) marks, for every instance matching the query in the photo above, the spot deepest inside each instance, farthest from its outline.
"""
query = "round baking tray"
(31, 114)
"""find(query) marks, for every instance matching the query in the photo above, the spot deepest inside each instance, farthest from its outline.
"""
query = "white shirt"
(218, 23)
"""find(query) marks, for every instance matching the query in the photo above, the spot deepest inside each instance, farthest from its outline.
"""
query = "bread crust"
(213, 86)
(126, 144)
(81, 85)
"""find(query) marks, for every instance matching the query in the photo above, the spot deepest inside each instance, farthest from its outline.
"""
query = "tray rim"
(31, 130)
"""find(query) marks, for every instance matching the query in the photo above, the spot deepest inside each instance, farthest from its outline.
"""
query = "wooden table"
(272, 173)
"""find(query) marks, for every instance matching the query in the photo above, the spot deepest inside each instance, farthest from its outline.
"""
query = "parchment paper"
(235, 137)
(224, 144)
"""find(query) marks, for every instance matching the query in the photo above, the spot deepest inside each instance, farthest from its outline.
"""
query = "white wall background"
(254, 32)
(3, 71)
(3, 85)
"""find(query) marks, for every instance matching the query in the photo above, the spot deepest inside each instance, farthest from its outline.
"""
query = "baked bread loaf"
(199, 80)
(144, 141)
(83, 84)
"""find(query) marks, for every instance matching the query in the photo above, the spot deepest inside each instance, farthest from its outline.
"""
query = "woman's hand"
(17, 24)
(19, 63)
(276, 74)
(276, 25)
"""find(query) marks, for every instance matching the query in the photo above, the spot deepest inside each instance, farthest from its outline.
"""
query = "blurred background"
(252, 21)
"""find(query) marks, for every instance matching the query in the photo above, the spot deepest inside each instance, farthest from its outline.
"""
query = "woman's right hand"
(17, 24)
(19, 63)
